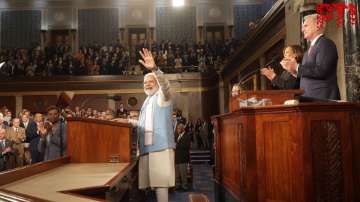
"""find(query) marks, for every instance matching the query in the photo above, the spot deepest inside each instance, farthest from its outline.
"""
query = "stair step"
(199, 161)
(200, 157)
(200, 152)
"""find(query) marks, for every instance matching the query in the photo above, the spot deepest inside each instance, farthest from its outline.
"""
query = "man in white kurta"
(156, 135)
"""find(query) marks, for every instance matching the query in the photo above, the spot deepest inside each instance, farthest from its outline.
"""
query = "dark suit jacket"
(317, 71)
(33, 137)
(30, 130)
(286, 81)
(182, 148)
(6, 159)
(8, 143)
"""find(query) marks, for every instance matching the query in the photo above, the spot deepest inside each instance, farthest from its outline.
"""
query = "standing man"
(121, 112)
(33, 137)
(53, 140)
(317, 72)
(156, 134)
(204, 133)
(182, 152)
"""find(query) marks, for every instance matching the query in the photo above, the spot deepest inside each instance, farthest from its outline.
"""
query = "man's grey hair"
(152, 74)
(314, 17)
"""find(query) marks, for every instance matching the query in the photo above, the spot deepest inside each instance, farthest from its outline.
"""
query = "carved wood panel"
(355, 123)
(327, 161)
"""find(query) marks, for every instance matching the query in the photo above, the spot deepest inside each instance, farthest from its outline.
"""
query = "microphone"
(273, 62)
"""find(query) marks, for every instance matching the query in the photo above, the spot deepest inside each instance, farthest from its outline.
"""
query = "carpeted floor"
(202, 183)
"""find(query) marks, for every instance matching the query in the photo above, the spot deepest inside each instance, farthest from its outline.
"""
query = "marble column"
(42, 39)
(221, 94)
(18, 104)
(122, 35)
(200, 34)
(352, 53)
(111, 102)
(76, 40)
(263, 79)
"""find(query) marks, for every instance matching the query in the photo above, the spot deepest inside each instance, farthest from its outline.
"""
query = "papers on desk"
(252, 102)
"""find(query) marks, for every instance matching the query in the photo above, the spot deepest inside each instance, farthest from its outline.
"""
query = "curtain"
(176, 24)
(20, 29)
(98, 26)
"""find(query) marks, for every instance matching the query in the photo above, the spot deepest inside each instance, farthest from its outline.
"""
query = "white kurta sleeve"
(164, 98)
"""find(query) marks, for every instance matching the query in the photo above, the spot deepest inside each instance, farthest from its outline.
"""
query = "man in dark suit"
(6, 152)
(183, 141)
(317, 72)
(121, 112)
(32, 136)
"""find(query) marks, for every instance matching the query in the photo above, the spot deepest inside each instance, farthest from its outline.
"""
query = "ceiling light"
(177, 3)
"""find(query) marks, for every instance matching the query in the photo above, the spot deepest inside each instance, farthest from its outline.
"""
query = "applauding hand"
(289, 65)
(268, 72)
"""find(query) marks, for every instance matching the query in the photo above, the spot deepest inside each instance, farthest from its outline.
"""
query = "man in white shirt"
(156, 134)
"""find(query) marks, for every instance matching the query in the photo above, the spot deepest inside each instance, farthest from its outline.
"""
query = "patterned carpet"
(202, 183)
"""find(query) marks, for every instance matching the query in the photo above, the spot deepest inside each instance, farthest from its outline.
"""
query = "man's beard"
(151, 92)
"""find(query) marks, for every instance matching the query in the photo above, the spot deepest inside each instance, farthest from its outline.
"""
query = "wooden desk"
(309, 152)
(85, 174)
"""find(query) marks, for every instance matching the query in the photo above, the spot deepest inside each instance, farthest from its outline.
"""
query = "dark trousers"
(181, 176)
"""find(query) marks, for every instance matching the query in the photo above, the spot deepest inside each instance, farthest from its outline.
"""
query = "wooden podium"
(98, 168)
(306, 152)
